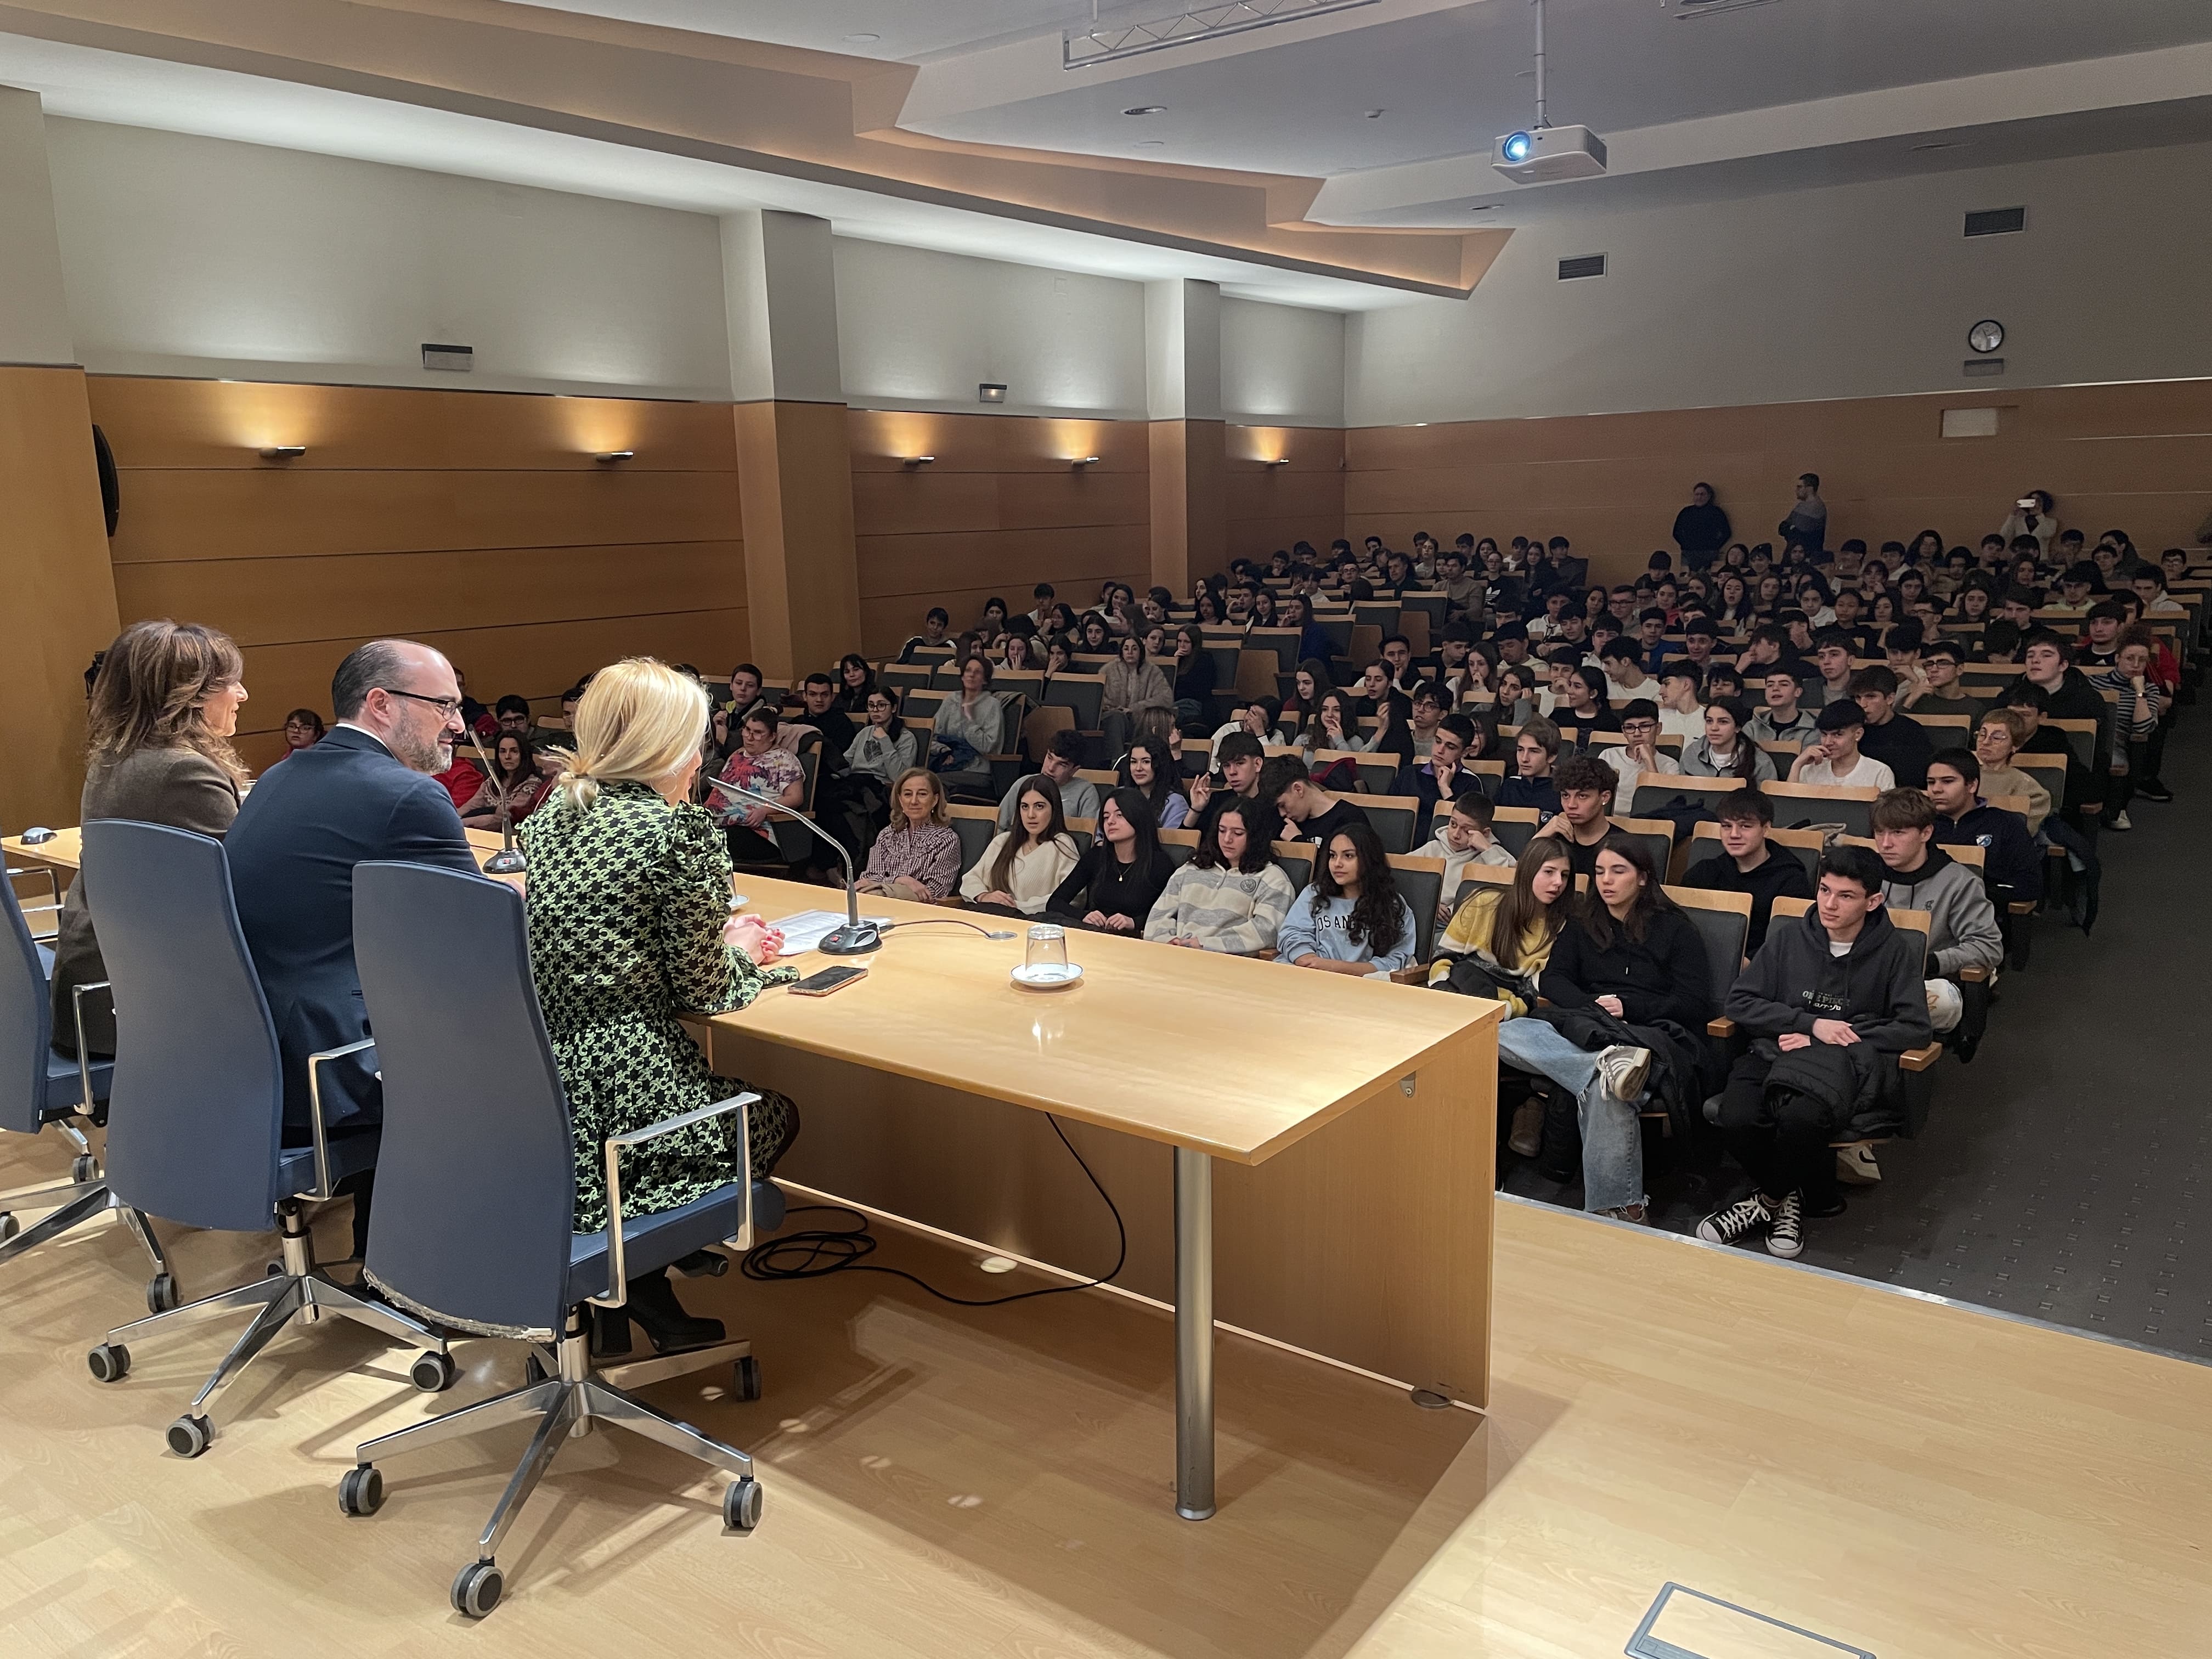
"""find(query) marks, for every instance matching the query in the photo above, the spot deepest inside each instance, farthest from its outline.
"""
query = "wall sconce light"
(608, 458)
(990, 391)
(283, 452)
(1082, 461)
(1281, 460)
(914, 461)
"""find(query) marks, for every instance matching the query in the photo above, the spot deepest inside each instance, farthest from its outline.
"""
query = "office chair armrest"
(1973, 975)
(1919, 1060)
(315, 1111)
(1722, 1028)
(617, 1291)
(54, 885)
(84, 1059)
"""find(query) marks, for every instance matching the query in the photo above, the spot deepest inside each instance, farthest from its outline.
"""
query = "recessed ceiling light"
(863, 38)
(1150, 144)
(1146, 109)
(1376, 114)
(1944, 144)
(1484, 207)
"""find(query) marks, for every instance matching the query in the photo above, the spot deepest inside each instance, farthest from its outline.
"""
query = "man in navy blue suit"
(365, 791)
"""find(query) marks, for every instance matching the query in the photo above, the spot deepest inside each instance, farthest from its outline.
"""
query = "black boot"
(654, 1309)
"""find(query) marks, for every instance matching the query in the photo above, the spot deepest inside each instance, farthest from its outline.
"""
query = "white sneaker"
(1624, 1070)
(1855, 1165)
(2118, 821)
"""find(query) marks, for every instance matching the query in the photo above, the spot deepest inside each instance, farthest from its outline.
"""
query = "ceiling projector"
(1541, 156)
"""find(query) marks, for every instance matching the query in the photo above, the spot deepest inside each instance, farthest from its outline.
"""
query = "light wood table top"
(66, 850)
(1221, 1055)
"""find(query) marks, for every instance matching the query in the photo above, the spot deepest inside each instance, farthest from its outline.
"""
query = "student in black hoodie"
(2012, 863)
(1746, 864)
(1842, 976)
(1898, 741)
(2068, 696)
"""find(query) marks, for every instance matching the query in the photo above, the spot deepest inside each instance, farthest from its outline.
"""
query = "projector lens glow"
(1516, 147)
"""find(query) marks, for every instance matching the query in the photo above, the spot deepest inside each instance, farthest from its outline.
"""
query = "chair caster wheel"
(274, 1270)
(161, 1293)
(748, 1379)
(8, 1225)
(109, 1363)
(532, 1372)
(189, 1435)
(84, 1166)
(741, 1505)
(433, 1372)
(477, 1587)
(360, 1491)
(703, 1264)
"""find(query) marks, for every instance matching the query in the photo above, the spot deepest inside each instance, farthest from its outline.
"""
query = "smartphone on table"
(829, 980)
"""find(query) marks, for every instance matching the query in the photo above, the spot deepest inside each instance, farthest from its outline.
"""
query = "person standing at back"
(365, 791)
(162, 710)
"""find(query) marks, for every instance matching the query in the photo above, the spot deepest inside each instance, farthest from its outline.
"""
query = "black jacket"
(1795, 980)
(2075, 699)
(2013, 862)
(1102, 881)
(1902, 744)
(1701, 528)
(1664, 976)
(1782, 876)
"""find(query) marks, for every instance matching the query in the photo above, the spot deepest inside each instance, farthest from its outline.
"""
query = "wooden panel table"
(1341, 1129)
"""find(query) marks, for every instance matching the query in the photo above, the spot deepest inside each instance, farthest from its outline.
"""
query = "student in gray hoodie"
(1962, 923)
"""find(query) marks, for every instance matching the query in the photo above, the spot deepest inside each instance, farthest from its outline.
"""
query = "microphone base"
(508, 862)
(851, 940)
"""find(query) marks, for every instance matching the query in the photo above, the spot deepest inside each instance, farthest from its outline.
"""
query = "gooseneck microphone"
(856, 937)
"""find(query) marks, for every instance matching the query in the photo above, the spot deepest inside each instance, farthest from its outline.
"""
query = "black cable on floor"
(818, 1252)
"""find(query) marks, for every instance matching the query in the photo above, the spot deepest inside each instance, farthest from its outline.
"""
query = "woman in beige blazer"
(1133, 687)
(163, 709)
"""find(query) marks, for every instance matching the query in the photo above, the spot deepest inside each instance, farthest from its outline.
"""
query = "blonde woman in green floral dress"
(628, 905)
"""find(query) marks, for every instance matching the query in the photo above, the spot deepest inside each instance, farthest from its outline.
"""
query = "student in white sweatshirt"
(1465, 839)
(1021, 867)
(1230, 896)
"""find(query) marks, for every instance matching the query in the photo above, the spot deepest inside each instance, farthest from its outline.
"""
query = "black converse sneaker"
(1785, 1235)
(1739, 1221)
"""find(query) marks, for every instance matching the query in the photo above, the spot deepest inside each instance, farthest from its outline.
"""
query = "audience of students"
(1229, 895)
(1351, 919)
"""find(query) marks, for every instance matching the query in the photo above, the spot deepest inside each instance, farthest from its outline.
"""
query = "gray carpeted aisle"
(2064, 1173)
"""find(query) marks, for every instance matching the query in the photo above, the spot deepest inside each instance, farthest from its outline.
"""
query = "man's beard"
(431, 755)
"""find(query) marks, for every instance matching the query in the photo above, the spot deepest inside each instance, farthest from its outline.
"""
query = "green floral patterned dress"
(626, 901)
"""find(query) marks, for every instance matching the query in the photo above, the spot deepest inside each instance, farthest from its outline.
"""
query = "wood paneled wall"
(1001, 509)
(477, 522)
(2137, 456)
(1272, 506)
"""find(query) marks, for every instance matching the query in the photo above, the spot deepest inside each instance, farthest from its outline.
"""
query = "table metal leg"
(1194, 1226)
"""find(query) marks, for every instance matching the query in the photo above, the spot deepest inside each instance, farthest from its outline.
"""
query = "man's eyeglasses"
(446, 706)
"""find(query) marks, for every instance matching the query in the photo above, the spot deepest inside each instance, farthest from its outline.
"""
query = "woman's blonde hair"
(938, 814)
(150, 690)
(638, 721)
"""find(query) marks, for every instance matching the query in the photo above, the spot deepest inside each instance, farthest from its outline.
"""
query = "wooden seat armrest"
(1267, 955)
(1974, 975)
(2093, 809)
(1017, 759)
(1919, 1060)
(2022, 907)
(1720, 1028)
(1416, 975)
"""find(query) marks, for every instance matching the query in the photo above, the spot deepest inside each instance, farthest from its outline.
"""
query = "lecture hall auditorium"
(1304, 830)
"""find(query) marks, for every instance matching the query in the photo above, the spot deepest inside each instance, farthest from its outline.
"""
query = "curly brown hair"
(151, 690)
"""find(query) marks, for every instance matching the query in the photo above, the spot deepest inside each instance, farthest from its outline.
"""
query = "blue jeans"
(1613, 1141)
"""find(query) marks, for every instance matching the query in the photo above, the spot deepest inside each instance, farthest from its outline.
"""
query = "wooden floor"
(1909, 1477)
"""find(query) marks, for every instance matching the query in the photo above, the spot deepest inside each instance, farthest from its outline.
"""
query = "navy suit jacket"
(298, 836)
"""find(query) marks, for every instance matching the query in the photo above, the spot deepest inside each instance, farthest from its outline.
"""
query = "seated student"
(1583, 706)
(1840, 978)
(1229, 895)
(760, 768)
(1393, 734)
(1352, 919)
(1918, 875)
(1832, 657)
(1835, 760)
(2013, 863)
(817, 694)
(934, 628)
(512, 714)
(516, 772)
(1587, 788)
(1465, 839)
(1442, 776)
(1725, 750)
(1631, 957)
(744, 694)
(1431, 704)
(1640, 754)
(1999, 736)
(970, 724)
(2065, 694)
(304, 729)
(1535, 753)
(1681, 713)
(1898, 741)
(1780, 720)
(2135, 719)
(1114, 884)
(1623, 667)
(1308, 811)
(1063, 756)
(917, 856)
(1940, 691)
(1150, 768)
(1238, 761)
(1748, 864)
(1022, 867)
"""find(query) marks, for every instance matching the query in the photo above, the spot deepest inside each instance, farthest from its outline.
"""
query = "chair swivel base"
(564, 1398)
(296, 1288)
(85, 1197)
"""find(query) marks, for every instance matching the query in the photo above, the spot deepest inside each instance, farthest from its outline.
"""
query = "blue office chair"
(195, 1129)
(41, 1090)
(476, 1188)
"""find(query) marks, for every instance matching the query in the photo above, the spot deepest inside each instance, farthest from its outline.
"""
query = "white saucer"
(1075, 976)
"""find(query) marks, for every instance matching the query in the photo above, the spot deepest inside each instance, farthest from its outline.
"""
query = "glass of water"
(1045, 961)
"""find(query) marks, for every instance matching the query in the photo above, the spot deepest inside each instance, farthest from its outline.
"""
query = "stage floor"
(1900, 1476)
